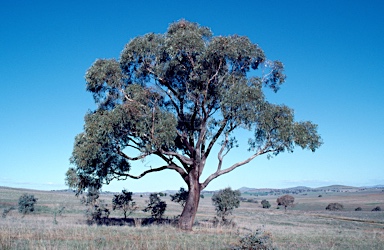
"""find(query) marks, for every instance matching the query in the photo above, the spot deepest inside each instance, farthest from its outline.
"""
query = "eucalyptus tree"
(175, 96)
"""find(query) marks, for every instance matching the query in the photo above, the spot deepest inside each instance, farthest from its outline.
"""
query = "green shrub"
(225, 201)
(259, 240)
(265, 204)
(27, 203)
(358, 209)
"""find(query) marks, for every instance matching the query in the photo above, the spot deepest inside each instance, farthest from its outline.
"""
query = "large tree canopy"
(175, 96)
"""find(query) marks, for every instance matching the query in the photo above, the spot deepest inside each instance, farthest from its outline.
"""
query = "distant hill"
(337, 187)
(298, 189)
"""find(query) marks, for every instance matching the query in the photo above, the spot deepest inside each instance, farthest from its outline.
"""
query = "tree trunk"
(187, 217)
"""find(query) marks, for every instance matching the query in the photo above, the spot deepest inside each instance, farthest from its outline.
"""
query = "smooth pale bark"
(187, 217)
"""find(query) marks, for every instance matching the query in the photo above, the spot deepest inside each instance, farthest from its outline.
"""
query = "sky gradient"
(332, 51)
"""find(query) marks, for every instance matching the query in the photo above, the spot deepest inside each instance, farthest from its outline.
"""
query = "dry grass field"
(305, 226)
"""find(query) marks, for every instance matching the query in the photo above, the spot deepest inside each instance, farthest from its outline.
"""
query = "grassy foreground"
(306, 226)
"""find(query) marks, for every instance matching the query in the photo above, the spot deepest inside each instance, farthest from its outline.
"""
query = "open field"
(305, 226)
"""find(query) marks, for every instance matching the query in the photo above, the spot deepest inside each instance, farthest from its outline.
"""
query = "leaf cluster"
(180, 197)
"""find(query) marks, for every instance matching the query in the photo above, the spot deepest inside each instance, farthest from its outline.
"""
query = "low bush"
(265, 204)
(377, 209)
(358, 209)
(27, 203)
(259, 240)
(334, 207)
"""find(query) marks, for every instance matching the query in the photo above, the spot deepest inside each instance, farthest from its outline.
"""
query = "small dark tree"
(334, 207)
(27, 203)
(124, 202)
(156, 206)
(225, 201)
(180, 197)
(285, 200)
(265, 204)
(377, 209)
(358, 209)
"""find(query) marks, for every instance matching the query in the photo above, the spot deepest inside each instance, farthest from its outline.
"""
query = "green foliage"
(286, 201)
(124, 202)
(376, 208)
(225, 201)
(334, 206)
(358, 209)
(258, 239)
(265, 204)
(180, 197)
(156, 206)
(27, 203)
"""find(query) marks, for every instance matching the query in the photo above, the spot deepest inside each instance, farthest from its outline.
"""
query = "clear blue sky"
(333, 52)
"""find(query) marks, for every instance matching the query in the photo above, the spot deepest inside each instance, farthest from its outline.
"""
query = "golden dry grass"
(305, 226)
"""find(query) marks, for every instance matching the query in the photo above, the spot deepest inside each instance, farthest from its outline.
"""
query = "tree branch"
(220, 172)
(181, 158)
(171, 166)
(214, 139)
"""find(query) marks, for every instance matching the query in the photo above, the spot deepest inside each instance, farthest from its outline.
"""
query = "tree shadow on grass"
(132, 221)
